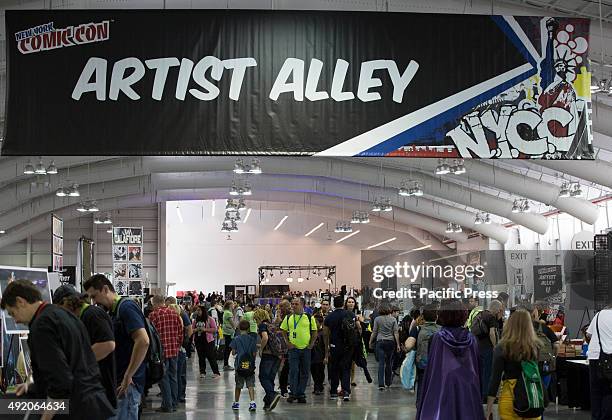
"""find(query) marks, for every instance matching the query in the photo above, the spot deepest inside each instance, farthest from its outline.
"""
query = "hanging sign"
(296, 82)
(128, 260)
(547, 281)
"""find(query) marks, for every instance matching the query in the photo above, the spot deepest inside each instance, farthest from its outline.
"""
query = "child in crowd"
(244, 347)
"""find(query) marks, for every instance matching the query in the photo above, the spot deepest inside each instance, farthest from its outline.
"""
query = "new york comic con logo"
(46, 37)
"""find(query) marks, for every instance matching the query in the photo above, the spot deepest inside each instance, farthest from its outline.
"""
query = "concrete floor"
(212, 399)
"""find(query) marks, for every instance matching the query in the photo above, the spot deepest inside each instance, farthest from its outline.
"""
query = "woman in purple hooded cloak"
(451, 386)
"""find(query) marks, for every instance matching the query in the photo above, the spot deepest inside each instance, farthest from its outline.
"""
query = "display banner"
(128, 260)
(153, 82)
(57, 243)
(547, 281)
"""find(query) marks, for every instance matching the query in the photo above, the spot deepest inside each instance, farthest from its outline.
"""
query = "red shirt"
(170, 329)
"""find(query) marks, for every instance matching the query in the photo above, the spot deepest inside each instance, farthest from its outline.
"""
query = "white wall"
(199, 257)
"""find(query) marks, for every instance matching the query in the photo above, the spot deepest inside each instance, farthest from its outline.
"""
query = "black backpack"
(348, 332)
(479, 328)
(245, 365)
(155, 353)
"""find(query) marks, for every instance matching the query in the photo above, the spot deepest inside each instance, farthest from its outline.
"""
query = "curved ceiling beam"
(333, 188)
(409, 223)
(518, 184)
(596, 171)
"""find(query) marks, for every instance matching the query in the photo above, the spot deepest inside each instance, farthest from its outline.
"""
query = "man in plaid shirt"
(170, 329)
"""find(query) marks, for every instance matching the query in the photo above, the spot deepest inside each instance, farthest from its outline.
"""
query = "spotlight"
(417, 189)
(478, 220)
(386, 206)
(2, 231)
(107, 220)
(487, 219)
(61, 192)
(93, 208)
(82, 208)
(457, 228)
(28, 169)
(525, 207)
(376, 207)
(234, 190)
(300, 280)
(109, 230)
(246, 190)
(289, 280)
(97, 221)
(231, 205)
(403, 191)
(356, 217)
(365, 217)
(515, 207)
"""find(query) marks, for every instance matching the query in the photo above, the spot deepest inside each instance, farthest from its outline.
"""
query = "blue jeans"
(127, 407)
(486, 366)
(299, 371)
(181, 367)
(268, 367)
(385, 350)
(169, 384)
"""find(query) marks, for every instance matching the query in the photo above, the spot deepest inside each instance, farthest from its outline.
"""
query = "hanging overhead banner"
(152, 82)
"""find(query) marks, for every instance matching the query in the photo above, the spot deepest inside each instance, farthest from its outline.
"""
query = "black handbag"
(605, 359)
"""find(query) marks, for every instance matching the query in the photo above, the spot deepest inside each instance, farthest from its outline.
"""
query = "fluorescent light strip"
(179, 214)
(347, 236)
(382, 243)
(248, 213)
(315, 228)
(415, 249)
(451, 256)
(213, 209)
(281, 222)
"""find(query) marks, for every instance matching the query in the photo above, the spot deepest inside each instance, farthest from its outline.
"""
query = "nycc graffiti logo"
(46, 37)
(542, 117)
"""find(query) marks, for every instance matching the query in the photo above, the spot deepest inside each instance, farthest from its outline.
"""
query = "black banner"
(547, 281)
(148, 82)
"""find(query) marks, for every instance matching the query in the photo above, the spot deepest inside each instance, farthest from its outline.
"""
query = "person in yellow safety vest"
(474, 309)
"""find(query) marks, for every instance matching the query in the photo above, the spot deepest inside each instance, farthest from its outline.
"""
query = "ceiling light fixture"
(421, 248)
(487, 219)
(442, 168)
(516, 207)
(314, 229)
(348, 236)
(74, 191)
(255, 167)
(576, 190)
(52, 169)
(107, 220)
(40, 168)
(343, 226)
(61, 192)
(457, 228)
(234, 189)
(82, 208)
(382, 243)
(458, 168)
(281, 223)
(449, 228)
(2, 231)
(565, 190)
(97, 221)
(109, 230)
(28, 169)
(239, 166)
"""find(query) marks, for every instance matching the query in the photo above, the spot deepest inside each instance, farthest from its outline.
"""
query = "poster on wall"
(394, 84)
(57, 243)
(127, 244)
(37, 276)
(548, 282)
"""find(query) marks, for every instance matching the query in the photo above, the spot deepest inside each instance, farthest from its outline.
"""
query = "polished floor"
(212, 399)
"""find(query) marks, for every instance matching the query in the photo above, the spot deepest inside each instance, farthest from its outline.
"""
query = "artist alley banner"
(171, 82)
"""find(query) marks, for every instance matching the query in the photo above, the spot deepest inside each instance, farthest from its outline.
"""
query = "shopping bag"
(408, 371)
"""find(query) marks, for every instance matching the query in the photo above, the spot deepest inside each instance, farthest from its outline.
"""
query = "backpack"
(422, 351)
(605, 359)
(155, 353)
(546, 354)
(245, 364)
(528, 401)
(276, 342)
(479, 328)
(348, 332)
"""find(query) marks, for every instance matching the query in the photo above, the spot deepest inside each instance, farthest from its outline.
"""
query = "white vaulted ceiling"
(326, 186)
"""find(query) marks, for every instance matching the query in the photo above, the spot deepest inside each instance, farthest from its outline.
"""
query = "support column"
(29, 251)
(161, 246)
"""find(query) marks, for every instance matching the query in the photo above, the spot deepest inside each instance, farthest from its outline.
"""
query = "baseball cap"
(65, 290)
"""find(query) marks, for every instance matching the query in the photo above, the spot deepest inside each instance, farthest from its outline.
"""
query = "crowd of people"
(104, 352)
